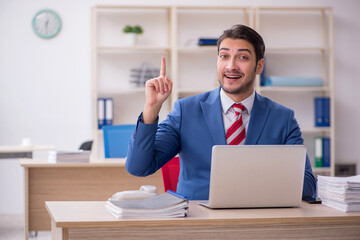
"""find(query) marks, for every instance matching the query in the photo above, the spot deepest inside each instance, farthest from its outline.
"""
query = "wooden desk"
(96, 180)
(90, 220)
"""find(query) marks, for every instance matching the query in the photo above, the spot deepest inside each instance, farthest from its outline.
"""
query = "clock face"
(46, 23)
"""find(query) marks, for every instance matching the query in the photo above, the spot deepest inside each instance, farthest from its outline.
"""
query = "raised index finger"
(163, 67)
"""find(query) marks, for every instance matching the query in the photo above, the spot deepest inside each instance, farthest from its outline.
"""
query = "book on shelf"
(263, 74)
(322, 111)
(322, 152)
(69, 156)
(105, 112)
(326, 152)
(342, 193)
(166, 205)
(279, 81)
(207, 41)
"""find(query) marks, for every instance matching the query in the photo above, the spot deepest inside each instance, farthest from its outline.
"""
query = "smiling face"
(237, 68)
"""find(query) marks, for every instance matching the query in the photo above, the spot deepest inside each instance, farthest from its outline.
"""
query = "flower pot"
(130, 39)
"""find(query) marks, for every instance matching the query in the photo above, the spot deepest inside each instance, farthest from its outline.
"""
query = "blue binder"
(322, 112)
(326, 152)
(207, 42)
(326, 113)
(116, 140)
(263, 74)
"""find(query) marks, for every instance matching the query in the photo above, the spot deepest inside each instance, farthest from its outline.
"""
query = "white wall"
(45, 84)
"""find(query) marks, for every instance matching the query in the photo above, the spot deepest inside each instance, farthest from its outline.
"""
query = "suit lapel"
(259, 115)
(212, 111)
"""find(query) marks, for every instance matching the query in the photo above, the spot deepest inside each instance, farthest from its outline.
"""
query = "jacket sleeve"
(153, 145)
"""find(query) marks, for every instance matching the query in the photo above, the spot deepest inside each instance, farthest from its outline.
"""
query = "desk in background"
(20, 151)
(11, 174)
(96, 180)
(90, 220)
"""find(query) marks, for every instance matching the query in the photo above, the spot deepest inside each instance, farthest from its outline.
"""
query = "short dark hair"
(240, 31)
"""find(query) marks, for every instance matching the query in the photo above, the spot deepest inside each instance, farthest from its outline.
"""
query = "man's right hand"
(157, 90)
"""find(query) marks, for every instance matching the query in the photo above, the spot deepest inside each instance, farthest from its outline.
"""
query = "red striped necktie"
(235, 135)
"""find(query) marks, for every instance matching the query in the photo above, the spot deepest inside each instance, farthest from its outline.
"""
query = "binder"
(326, 152)
(101, 112)
(322, 112)
(105, 112)
(326, 111)
(318, 151)
(207, 42)
(109, 111)
(263, 74)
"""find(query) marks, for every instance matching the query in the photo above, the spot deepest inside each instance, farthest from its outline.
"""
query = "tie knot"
(238, 108)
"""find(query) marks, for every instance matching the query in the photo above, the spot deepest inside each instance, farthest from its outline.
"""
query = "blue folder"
(293, 81)
(322, 111)
(207, 42)
(326, 152)
(116, 140)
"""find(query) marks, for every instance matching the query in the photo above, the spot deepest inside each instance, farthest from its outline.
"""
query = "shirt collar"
(227, 102)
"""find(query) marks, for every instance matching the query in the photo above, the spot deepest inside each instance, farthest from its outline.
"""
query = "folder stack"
(69, 156)
(342, 193)
(166, 205)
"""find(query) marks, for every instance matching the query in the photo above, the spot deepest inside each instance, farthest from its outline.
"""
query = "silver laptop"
(256, 176)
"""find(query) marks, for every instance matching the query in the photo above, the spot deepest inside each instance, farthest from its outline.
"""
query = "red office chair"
(170, 172)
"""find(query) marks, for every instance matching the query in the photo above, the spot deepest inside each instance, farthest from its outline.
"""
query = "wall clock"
(46, 23)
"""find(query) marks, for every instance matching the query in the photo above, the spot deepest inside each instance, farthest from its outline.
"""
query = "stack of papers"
(342, 193)
(69, 156)
(166, 205)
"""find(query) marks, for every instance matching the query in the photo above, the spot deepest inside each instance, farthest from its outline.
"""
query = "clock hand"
(46, 25)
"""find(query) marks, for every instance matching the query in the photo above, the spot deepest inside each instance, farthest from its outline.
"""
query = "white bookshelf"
(306, 50)
(298, 43)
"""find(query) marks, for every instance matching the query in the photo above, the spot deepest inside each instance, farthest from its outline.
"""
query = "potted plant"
(131, 33)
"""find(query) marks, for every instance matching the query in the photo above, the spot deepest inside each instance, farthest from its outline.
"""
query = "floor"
(12, 228)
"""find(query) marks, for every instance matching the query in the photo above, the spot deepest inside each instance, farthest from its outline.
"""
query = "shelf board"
(294, 89)
(117, 8)
(194, 90)
(309, 130)
(206, 8)
(114, 92)
(296, 9)
(198, 49)
(119, 49)
(321, 170)
(289, 50)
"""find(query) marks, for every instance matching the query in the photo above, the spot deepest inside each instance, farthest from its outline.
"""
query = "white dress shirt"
(229, 113)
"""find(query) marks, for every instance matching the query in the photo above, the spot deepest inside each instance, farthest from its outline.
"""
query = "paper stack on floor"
(342, 193)
(166, 205)
(69, 156)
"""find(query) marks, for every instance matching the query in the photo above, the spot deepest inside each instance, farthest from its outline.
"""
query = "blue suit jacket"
(194, 126)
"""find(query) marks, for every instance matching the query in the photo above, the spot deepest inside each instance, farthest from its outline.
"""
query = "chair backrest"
(170, 173)
(116, 140)
(86, 145)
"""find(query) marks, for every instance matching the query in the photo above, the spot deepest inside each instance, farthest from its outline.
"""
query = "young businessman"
(199, 122)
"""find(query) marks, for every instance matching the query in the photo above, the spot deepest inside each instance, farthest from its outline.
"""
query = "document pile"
(166, 205)
(342, 193)
(69, 156)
